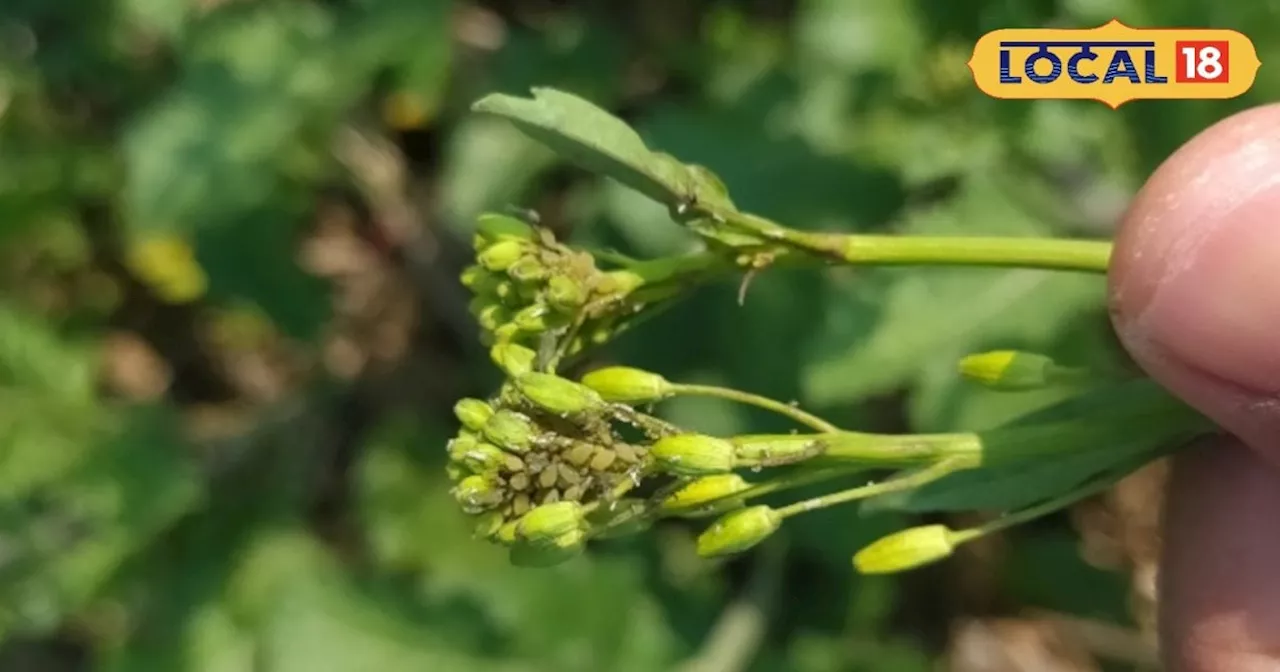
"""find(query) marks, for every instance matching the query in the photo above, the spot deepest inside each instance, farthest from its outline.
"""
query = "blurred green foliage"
(126, 544)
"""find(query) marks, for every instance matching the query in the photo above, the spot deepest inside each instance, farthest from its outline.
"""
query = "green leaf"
(595, 140)
(1128, 425)
(68, 537)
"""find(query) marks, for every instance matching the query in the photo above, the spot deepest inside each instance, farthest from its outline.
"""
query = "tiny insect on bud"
(558, 395)
(559, 550)
(514, 360)
(707, 495)
(623, 384)
(472, 413)
(565, 294)
(527, 269)
(476, 493)
(693, 454)
(502, 255)
(771, 450)
(543, 524)
(1008, 370)
(493, 227)
(510, 430)
(738, 531)
(907, 549)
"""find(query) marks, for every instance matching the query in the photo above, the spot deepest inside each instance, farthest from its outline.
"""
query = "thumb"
(1195, 297)
(1195, 281)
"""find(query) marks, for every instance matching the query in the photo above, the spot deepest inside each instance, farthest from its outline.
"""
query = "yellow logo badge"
(1114, 63)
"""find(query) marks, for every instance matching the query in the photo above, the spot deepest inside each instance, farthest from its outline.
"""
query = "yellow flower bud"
(493, 227)
(527, 269)
(536, 318)
(626, 385)
(488, 524)
(704, 496)
(557, 395)
(506, 535)
(502, 255)
(514, 360)
(1008, 370)
(492, 316)
(472, 413)
(565, 294)
(693, 454)
(510, 430)
(476, 493)
(545, 523)
(907, 549)
(738, 531)
(561, 549)
(483, 458)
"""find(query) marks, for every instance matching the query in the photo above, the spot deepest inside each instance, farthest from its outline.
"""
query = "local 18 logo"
(1114, 63)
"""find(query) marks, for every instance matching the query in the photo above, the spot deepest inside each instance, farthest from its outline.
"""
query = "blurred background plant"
(231, 333)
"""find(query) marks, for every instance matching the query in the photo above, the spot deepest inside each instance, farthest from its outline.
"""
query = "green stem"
(793, 412)
(901, 449)
(1013, 252)
(909, 481)
(1038, 253)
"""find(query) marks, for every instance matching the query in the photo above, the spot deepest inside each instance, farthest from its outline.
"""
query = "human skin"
(1195, 297)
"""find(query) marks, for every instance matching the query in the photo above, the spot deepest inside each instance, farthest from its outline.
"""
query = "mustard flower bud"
(510, 430)
(623, 384)
(507, 533)
(492, 315)
(907, 549)
(502, 255)
(545, 523)
(527, 269)
(514, 360)
(492, 227)
(472, 413)
(693, 454)
(565, 293)
(534, 319)
(561, 549)
(476, 493)
(488, 524)
(483, 458)
(738, 531)
(705, 496)
(1008, 370)
(558, 395)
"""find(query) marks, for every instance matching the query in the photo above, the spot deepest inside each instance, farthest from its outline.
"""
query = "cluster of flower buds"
(547, 464)
(544, 464)
(526, 284)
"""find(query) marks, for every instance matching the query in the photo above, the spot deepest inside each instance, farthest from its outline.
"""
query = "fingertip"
(1195, 278)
